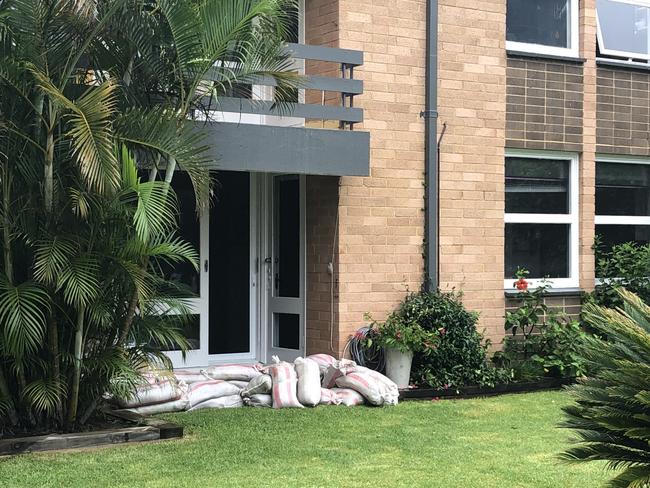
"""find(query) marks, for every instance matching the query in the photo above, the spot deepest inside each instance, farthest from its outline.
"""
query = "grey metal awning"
(247, 147)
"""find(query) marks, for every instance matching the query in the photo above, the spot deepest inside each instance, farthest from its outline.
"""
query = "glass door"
(285, 267)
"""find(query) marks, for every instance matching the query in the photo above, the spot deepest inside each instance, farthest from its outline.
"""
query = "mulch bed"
(482, 391)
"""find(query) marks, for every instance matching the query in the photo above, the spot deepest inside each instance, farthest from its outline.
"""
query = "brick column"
(588, 157)
(472, 103)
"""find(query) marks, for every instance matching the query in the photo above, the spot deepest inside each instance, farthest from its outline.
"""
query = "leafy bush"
(459, 355)
(543, 341)
(402, 333)
(624, 265)
(612, 406)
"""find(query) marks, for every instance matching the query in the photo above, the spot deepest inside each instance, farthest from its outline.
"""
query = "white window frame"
(620, 219)
(572, 218)
(623, 54)
(571, 51)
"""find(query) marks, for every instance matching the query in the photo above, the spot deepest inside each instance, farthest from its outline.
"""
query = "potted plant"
(401, 338)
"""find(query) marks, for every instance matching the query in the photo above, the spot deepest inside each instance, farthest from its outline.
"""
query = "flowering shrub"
(542, 341)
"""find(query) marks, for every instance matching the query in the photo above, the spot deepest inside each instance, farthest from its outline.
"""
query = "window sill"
(547, 57)
(555, 292)
(633, 65)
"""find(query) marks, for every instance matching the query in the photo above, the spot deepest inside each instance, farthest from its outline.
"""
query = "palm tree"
(93, 93)
(611, 413)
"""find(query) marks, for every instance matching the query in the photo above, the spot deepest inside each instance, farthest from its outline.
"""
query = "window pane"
(543, 249)
(287, 251)
(286, 330)
(611, 235)
(624, 27)
(537, 186)
(543, 22)
(622, 189)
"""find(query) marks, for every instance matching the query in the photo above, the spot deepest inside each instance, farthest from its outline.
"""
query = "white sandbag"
(259, 385)
(285, 384)
(336, 370)
(329, 397)
(349, 397)
(206, 390)
(167, 407)
(323, 360)
(190, 377)
(373, 390)
(149, 394)
(231, 401)
(229, 372)
(390, 385)
(259, 400)
(308, 374)
(239, 384)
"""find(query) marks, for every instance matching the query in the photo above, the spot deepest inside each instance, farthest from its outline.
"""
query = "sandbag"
(308, 374)
(262, 384)
(391, 387)
(372, 389)
(323, 361)
(285, 383)
(336, 370)
(349, 397)
(231, 401)
(229, 372)
(329, 397)
(206, 390)
(239, 384)
(190, 377)
(149, 394)
(167, 407)
(259, 400)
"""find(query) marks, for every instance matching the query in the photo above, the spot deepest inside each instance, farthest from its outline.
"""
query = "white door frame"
(268, 302)
(199, 306)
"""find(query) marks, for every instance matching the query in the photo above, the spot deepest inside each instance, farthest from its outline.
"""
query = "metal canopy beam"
(272, 149)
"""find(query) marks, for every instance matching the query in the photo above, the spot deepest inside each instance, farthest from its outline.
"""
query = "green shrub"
(542, 341)
(624, 265)
(460, 356)
(611, 412)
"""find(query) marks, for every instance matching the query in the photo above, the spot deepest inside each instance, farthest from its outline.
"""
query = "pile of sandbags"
(319, 379)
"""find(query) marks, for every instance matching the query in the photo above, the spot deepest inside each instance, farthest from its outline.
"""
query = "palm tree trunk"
(76, 377)
(6, 225)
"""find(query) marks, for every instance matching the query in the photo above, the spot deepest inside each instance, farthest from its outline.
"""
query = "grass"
(509, 441)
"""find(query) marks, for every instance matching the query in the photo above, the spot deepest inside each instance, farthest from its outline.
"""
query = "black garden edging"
(143, 429)
(481, 391)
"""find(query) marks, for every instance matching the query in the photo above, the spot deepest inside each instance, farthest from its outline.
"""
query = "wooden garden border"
(143, 429)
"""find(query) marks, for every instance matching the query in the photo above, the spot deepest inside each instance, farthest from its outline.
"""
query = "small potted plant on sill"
(400, 339)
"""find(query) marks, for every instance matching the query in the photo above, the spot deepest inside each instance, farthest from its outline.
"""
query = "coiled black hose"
(371, 357)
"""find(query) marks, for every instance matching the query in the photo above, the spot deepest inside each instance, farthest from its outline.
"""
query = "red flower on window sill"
(521, 284)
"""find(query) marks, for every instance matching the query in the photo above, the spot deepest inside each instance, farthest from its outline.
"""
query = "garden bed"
(484, 391)
(131, 428)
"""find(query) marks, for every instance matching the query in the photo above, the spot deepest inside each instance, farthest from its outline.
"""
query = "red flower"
(442, 331)
(521, 284)
(398, 335)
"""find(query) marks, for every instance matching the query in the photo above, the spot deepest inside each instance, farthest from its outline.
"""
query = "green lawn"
(510, 441)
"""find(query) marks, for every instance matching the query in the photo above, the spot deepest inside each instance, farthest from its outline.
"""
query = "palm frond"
(23, 310)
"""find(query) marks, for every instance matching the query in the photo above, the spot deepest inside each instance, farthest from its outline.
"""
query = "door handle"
(267, 261)
(206, 266)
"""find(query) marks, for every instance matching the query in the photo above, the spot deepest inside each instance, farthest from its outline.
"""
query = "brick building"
(543, 124)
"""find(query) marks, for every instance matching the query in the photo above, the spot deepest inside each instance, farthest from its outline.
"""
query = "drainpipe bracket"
(429, 114)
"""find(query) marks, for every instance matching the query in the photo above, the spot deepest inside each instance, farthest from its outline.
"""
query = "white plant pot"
(398, 366)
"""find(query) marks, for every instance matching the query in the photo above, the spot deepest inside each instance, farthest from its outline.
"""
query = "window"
(543, 26)
(623, 29)
(541, 227)
(622, 201)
